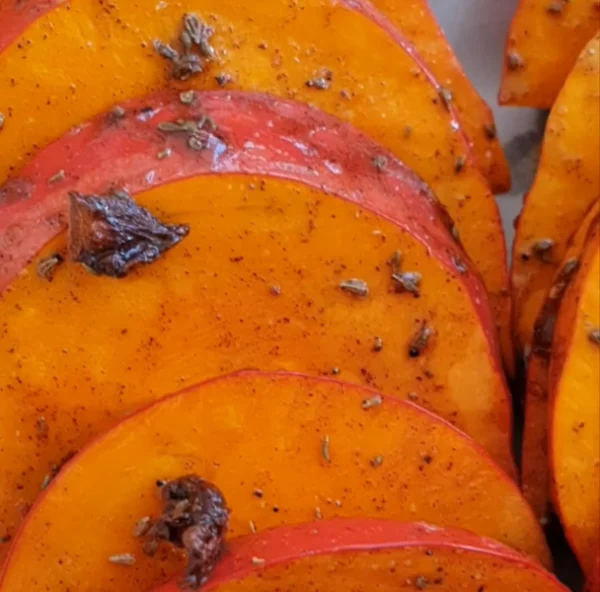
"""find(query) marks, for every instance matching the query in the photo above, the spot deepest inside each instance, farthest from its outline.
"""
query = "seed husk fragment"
(122, 559)
(47, 265)
(142, 526)
(407, 282)
(355, 286)
(419, 341)
(376, 461)
(325, 451)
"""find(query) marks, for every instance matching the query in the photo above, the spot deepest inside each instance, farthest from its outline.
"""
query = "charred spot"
(110, 235)
(194, 517)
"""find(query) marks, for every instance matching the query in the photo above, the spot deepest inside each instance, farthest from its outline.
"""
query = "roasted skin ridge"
(312, 454)
(280, 49)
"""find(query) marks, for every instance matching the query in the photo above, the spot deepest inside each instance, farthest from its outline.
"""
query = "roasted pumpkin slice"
(542, 45)
(281, 448)
(534, 460)
(575, 414)
(417, 23)
(364, 555)
(302, 254)
(566, 184)
(342, 57)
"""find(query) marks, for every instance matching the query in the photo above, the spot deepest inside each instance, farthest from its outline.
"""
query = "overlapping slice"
(284, 204)
(282, 448)
(363, 555)
(543, 43)
(341, 57)
(534, 460)
(566, 184)
(417, 23)
(575, 413)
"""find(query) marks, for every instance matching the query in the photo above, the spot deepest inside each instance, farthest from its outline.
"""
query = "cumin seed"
(122, 559)
(142, 526)
(371, 402)
(377, 344)
(258, 561)
(2, 119)
(355, 286)
(325, 451)
(59, 176)
(376, 461)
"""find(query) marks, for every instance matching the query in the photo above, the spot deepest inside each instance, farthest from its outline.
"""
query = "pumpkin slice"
(542, 46)
(342, 57)
(534, 455)
(281, 213)
(566, 184)
(575, 414)
(281, 448)
(361, 555)
(417, 23)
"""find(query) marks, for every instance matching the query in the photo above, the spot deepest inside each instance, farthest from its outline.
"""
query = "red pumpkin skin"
(330, 537)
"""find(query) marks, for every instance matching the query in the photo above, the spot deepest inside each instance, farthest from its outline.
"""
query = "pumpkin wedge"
(363, 555)
(418, 24)
(542, 46)
(575, 414)
(566, 184)
(285, 206)
(342, 57)
(281, 448)
(534, 453)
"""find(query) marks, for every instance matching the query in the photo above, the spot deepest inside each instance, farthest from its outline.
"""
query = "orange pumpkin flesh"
(277, 48)
(566, 184)
(208, 306)
(429, 471)
(542, 45)
(417, 23)
(575, 413)
(534, 455)
(348, 554)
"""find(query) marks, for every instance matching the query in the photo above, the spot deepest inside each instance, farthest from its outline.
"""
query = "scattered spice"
(371, 402)
(376, 461)
(59, 176)
(199, 33)
(258, 493)
(122, 559)
(594, 335)
(223, 79)
(194, 517)
(446, 96)
(275, 290)
(111, 235)
(396, 261)
(459, 164)
(325, 451)
(419, 341)
(187, 97)
(47, 265)
(455, 233)
(252, 526)
(335, 371)
(489, 130)
(2, 119)
(164, 154)
(55, 469)
(197, 132)
(377, 344)
(421, 582)
(117, 113)
(318, 514)
(258, 561)
(355, 287)
(322, 81)
(142, 526)
(514, 61)
(380, 163)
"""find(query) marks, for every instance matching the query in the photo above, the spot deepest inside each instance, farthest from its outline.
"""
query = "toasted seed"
(455, 233)
(325, 451)
(421, 582)
(542, 246)
(514, 61)
(318, 514)
(377, 344)
(197, 144)
(258, 561)
(163, 154)
(122, 559)
(118, 112)
(459, 264)
(318, 83)
(376, 461)
(355, 286)
(396, 261)
(59, 176)
(275, 290)
(46, 481)
(419, 341)
(252, 526)
(407, 282)
(446, 96)
(335, 371)
(2, 119)
(380, 163)
(142, 526)
(223, 79)
(47, 265)
(371, 402)
(164, 50)
(594, 335)
(187, 97)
